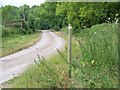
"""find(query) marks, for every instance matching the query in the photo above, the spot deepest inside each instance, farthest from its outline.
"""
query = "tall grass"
(94, 63)
(15, 39)
(98, 56)
(13, 44)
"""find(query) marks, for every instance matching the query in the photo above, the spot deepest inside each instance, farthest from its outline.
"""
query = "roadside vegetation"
(15, 39)
(94, 63)
(94, 46)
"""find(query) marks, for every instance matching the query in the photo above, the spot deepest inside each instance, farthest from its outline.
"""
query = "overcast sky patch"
(21, 2)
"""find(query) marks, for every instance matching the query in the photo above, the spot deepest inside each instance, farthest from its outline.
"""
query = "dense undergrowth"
(13, 32)
(98, 56)
(94, 63)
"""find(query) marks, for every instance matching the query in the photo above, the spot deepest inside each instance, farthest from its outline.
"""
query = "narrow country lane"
(16, 63)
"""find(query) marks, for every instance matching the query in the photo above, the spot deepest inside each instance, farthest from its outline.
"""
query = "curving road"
(16, 63)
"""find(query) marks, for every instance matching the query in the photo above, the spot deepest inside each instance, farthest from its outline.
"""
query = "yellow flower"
(92, 61)
(83, 64)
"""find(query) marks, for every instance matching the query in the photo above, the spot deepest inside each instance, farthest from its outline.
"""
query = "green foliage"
(9, 13)
(45, 74)
(97, 56)
(24, 12)
(83, 15)
(55, 15)
(7, 32)
(13, 32)
(44, 17)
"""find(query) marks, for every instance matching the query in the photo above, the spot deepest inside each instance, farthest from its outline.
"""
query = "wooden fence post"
(69, 49)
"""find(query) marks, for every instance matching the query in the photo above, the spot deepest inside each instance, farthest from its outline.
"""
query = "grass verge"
(16, 42)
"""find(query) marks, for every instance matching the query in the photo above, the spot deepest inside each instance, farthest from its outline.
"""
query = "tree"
(83, 15)
(9, 13)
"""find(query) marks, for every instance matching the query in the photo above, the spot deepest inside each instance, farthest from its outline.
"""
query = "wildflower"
(92, 61)
(95, 32)
(73, 82)
(108, 18)
(83, 64)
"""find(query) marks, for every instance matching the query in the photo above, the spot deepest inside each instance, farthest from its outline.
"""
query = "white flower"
(95, 32)
(108, 18)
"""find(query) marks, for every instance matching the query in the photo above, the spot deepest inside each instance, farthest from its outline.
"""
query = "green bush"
(12, 31)
(6, 31)
(97, 56)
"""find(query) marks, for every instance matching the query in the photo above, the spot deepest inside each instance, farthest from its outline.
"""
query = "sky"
(37, 2)
(21, 2)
